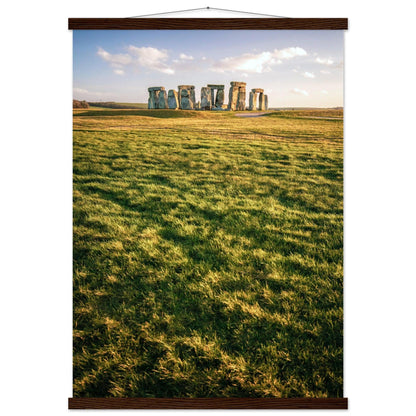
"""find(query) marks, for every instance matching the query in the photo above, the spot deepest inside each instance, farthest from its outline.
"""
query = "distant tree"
(79, 104)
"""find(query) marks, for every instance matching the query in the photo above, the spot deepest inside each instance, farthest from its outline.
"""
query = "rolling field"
(208, 254)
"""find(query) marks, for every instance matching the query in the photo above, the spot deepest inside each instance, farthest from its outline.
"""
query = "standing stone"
(255, 101)
(237, 96)
(189, 97)
(193, 96)
(251, 101)
(206, 96)
(219, 101)
(163, 99)
(186, 100)
(150, 101)
(173, 102)
(154, 93)
(262, 103)
(266, 102)
(241, 102)
(151, 104)
(180, 94)
(157, 93)
(232, 98)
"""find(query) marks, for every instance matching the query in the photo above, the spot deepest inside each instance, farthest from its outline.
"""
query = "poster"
(208, 214)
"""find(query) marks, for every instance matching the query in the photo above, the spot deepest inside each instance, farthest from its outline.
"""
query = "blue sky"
(296, 68)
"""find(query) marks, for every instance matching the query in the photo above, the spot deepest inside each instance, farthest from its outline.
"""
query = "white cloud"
(308, 75)
(256, 63)
(289, 53)
(324, 92)
(186, 57)
(83, 94)
(299, 91)
(79, 91)
(146, 57)
(324, 61)
(151, 58)
(117, 60)
(158, 60)
(325, 72)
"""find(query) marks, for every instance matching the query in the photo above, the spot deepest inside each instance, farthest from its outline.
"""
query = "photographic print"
(208, 213)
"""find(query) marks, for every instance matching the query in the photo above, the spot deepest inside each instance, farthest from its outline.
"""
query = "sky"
(296, 68)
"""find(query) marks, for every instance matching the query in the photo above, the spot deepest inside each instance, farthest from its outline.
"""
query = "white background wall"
(36, 202)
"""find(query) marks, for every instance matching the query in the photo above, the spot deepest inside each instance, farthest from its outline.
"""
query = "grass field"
(208, 254)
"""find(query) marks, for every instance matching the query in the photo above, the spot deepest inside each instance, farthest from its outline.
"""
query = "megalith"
(173, 102)
(241, 101)
(186, 97)
(151, 103)
(255, 92)
(163, 99)
(186, 100)
(252, 101)
(262, 102)
(237, 96)
(193, 99)
(154, 100)
(206, 98)
(212, 98)
(217, 99)
(232, 98)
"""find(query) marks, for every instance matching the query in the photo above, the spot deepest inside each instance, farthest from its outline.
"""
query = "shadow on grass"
(143, 113)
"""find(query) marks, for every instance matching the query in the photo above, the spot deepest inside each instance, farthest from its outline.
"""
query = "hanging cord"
(206, 8)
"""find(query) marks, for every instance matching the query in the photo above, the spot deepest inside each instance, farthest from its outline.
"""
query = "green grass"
(207, 255)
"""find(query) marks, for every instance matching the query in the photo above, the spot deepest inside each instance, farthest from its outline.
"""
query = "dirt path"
(250, 114)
